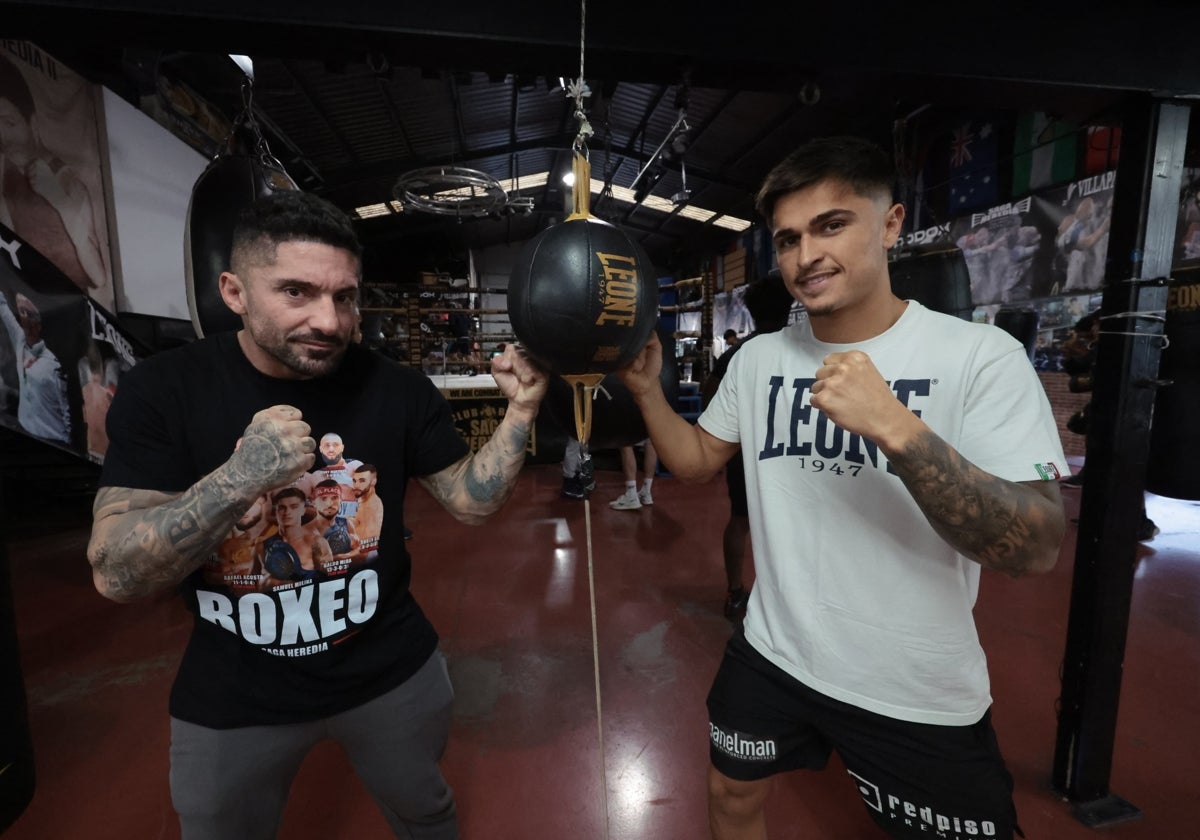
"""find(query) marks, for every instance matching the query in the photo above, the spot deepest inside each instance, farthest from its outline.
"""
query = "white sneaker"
(644, 496)
(626, 501)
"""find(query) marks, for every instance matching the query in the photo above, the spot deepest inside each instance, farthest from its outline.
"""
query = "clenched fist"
(852, 393)
(276, 448)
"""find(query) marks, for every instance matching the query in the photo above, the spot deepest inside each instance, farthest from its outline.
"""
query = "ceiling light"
(569, 179)
(245, 63)
(372, 210)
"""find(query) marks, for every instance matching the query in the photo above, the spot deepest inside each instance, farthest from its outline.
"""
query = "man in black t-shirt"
(270, 670)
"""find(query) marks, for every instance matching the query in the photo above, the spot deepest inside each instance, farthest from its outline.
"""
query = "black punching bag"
(1021, 324)
(935, 277)
(616, 421)
(16, 746)
(230, 183)
(583, 296)
(1174, 466)
(583, 300)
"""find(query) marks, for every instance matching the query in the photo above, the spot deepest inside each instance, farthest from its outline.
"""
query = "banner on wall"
(51, 187)
(1044, 245)
(1187, 229)
(179, 109)
(61, 354)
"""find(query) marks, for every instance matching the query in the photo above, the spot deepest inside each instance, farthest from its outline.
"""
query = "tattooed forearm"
(480, 484)
(1012, 527)
(144, 542)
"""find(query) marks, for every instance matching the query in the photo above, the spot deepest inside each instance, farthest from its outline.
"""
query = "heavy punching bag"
(935, 277)
(231, 182)
(1022, 324)
(1174, 466)
(583, 299)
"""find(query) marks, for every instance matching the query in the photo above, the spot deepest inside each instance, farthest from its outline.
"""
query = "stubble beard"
(281, 349)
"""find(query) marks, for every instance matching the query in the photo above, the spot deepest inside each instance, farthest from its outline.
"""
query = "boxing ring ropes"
(419, 337)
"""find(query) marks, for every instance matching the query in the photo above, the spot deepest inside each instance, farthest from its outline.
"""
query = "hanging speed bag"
(229, 184)
(616, 421)
(1173, 468)
(583, 297)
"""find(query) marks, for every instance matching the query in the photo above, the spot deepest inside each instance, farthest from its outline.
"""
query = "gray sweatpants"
(233, 783)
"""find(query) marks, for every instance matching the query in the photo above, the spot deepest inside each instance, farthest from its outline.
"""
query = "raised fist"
(276, 448)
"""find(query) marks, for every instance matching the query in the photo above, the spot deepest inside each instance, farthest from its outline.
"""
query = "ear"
(892, 222)
(233, 291)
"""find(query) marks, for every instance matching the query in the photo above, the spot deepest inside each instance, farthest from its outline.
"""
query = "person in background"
(770, 305)
(1079, 360)
(892, 453)
(42, 408)
(634, 498)
(579, 476)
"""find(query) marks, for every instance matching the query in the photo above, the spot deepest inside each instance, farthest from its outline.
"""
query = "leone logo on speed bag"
(583, 297)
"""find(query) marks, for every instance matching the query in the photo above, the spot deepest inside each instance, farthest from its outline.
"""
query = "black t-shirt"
(280, 636)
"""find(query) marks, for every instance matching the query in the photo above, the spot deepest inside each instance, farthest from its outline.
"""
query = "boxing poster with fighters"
(61, 353)
(1187, 230)
(1048, 244)
(51, 187)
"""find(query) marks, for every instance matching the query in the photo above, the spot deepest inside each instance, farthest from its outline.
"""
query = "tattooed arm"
(1012, 527)
(478, 485)
(144, 542)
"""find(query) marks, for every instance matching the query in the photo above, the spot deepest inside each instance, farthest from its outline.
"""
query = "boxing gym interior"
(1051, 194)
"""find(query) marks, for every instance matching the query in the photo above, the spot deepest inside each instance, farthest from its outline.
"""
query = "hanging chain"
(246, 118)
(579, 90)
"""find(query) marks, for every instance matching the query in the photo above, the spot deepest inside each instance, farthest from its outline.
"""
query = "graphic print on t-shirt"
(321, 531)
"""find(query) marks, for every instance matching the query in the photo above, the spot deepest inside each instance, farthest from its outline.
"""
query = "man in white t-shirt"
(891, 452)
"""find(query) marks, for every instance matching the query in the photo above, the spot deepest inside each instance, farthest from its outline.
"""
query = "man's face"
(363, 482)
(16, 135)
(832, 245)
(299, 312)
(289, 510)
(331, 450)
(30, 319)
(327, 504)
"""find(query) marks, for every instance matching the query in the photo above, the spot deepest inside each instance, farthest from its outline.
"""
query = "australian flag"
(972, 150)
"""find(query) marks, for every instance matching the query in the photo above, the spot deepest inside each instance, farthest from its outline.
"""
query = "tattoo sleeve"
(1011, 527)
(145, 542)
(477, 486)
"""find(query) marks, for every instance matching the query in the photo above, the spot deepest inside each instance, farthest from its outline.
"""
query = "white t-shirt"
(855, 594)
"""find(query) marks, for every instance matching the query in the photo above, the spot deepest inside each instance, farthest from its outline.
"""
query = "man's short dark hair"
(288, 493)
(289, 216)
(862, 165)
(769, 302)
(730, 334)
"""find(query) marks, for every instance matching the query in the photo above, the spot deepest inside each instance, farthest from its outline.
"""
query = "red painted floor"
(511, 602)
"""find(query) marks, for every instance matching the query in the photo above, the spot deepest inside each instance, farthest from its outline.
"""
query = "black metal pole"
(1141, 245)
(17, 776)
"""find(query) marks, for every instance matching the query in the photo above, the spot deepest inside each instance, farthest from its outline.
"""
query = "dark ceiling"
(353, 95)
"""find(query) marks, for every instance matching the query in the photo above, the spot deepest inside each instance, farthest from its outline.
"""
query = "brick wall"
(1064, 404)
